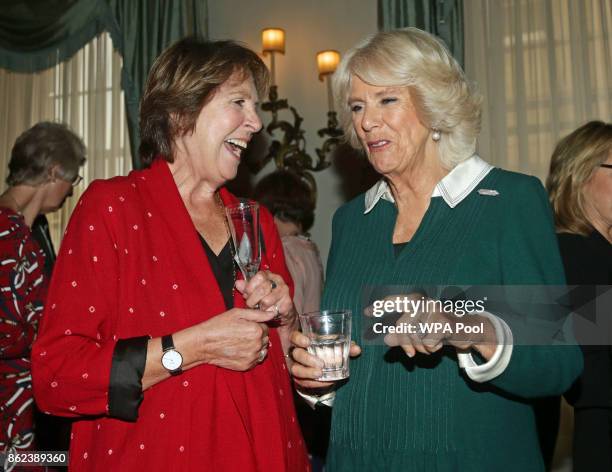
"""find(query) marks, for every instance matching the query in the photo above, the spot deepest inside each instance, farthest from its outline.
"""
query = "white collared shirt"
(453, 188)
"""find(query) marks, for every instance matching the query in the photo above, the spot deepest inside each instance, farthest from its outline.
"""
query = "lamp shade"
(327, 61)
(273, 40)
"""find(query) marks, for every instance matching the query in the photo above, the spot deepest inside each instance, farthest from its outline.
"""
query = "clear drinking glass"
(330, 340)
(243, 222)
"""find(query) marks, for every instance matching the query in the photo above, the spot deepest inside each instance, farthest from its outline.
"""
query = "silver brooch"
(488, 192)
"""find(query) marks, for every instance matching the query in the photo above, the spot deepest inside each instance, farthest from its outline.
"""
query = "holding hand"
(441, 328)
(236, 339)
(269, 292)
(306, 367)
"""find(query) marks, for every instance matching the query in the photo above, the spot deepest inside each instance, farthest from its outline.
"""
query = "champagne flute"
(243, 222)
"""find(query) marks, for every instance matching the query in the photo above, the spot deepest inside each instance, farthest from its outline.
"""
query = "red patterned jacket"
(23, 289)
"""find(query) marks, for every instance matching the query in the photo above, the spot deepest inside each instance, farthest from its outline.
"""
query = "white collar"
(453, 188)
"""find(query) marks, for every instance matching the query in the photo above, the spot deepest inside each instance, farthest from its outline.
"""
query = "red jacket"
(131, 264)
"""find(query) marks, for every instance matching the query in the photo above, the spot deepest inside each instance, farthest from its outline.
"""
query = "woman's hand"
(443, 328)
(236, 339)
(269, 292)
(306, 368)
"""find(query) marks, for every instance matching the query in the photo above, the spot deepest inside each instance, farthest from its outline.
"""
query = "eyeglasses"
(607, 166)
(77, 180)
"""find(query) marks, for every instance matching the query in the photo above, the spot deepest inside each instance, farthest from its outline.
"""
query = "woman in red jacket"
(146, 275)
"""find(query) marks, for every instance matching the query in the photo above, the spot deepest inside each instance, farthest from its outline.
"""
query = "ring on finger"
(262, 354)
(276, 311)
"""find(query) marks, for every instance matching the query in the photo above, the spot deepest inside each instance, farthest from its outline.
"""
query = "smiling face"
(222, 131)
(597, 194)
(388, 126)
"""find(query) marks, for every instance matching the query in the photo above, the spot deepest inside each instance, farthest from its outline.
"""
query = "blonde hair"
(416, 59)
(573, 162)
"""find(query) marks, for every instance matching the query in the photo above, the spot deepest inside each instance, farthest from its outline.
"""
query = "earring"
(436, 135)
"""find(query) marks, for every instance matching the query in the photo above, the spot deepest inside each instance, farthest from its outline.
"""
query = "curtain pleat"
(544, 68)
(443, 18)
(38, 34)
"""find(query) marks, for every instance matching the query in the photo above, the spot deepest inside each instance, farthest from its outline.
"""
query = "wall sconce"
(273, 41)
(289, 152)
(327, 62)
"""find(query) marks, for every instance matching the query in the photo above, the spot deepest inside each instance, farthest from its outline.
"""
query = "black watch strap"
(167, 342)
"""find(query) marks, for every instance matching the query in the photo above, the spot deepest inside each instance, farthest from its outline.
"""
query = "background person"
(440, 215)
(289, 199)
(580, 189)
(43, 168)
(149, 340)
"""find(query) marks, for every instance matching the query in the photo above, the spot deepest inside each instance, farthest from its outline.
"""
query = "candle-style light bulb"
(327, 62)
(273, 41)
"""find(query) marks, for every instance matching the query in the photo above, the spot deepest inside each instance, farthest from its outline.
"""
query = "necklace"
(230, 240)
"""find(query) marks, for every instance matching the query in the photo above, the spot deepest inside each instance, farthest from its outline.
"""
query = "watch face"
(172, 360)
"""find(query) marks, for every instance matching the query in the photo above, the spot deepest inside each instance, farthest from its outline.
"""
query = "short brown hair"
(573, 162)
(287, 196)
(41, 147)
(182, 80)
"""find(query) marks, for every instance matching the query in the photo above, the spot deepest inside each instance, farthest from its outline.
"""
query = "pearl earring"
(436, 135)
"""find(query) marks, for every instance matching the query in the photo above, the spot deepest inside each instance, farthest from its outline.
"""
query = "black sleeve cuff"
(127, 369)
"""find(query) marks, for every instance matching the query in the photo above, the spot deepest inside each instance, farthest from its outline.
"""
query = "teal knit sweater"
(424, 413)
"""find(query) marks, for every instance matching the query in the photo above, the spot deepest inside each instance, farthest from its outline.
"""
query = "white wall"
(310, 26)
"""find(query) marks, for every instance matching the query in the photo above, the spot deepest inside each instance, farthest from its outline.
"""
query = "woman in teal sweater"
(440, 215)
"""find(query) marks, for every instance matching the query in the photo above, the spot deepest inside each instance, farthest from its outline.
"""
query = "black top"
(223, 270)
(588, 262)
(587, 259)
(40, 232)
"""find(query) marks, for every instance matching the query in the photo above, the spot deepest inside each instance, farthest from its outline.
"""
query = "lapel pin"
(488, 192)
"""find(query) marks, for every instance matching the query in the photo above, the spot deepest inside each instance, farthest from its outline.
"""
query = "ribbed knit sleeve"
(530, 255)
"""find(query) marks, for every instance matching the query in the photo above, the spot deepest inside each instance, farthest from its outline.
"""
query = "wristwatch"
(171, 359)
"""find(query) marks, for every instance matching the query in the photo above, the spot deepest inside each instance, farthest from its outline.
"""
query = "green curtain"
(38, 34)
(444, 18)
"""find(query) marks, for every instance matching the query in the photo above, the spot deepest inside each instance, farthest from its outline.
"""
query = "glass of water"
(330, 340)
